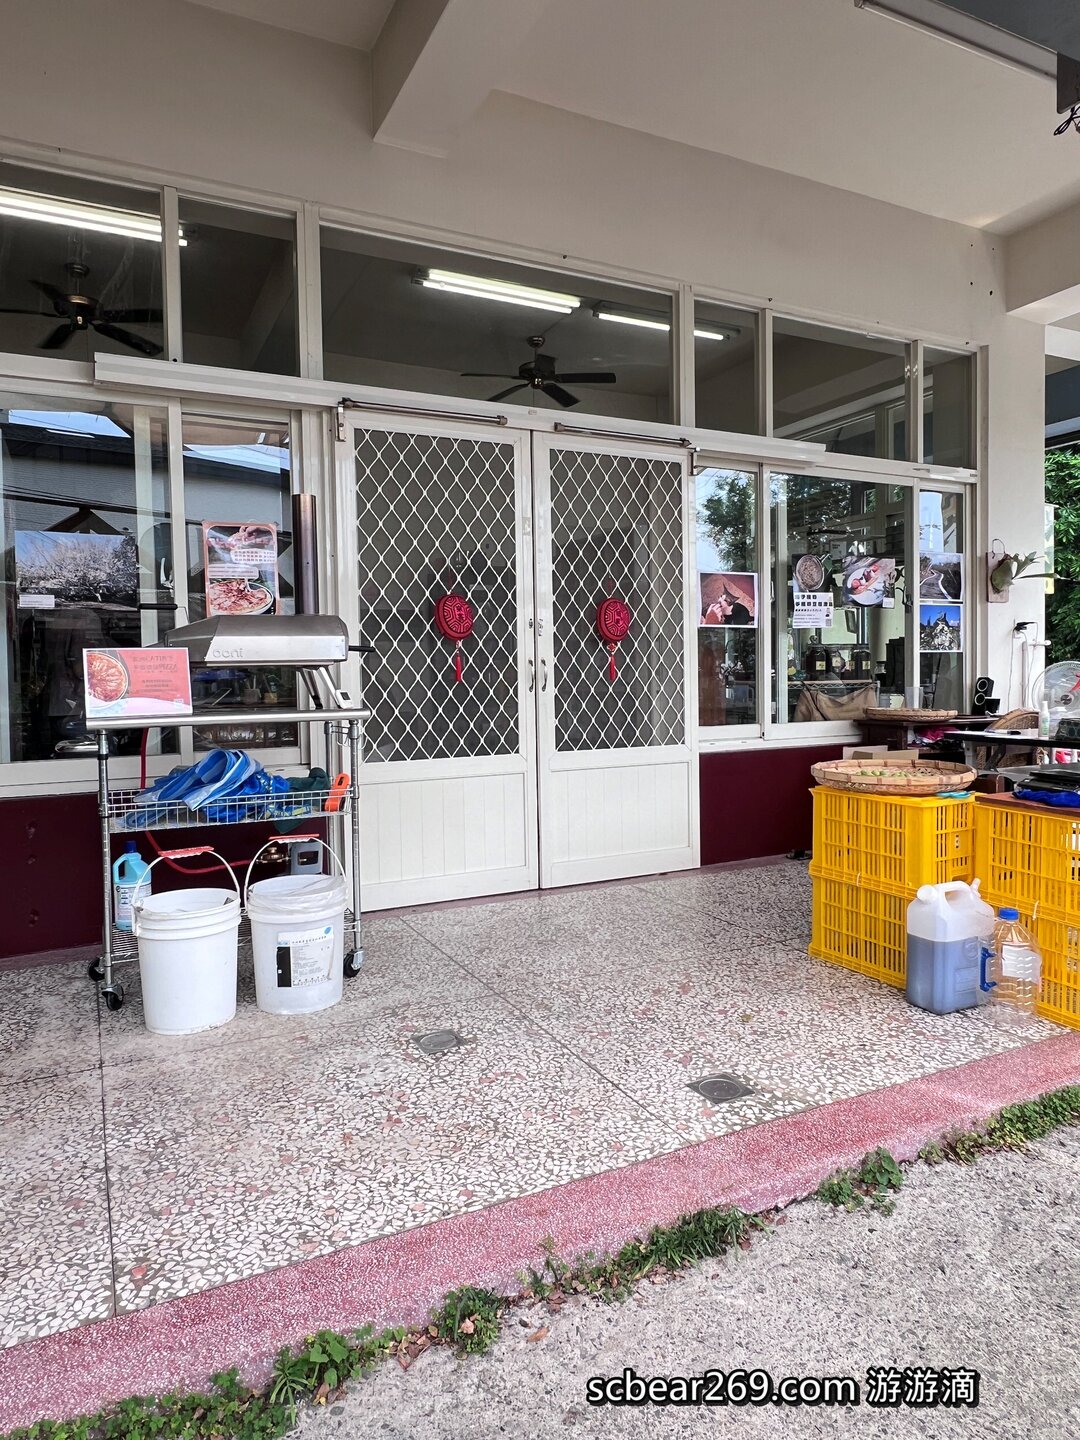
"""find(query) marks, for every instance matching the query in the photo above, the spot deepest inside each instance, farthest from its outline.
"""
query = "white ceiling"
(345, 22)
(815, 88)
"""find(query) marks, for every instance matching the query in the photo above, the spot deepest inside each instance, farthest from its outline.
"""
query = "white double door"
(536, 768)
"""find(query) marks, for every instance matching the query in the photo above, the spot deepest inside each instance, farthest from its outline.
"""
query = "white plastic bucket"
(187, 958)
(298, 941)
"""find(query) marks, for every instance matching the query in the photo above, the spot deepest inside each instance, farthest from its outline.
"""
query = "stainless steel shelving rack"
(296, 642)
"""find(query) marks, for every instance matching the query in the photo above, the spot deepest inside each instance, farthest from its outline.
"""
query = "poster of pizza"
(154, 681)
(241, 567)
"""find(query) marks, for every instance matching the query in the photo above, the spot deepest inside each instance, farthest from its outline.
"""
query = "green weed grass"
(469, 1319)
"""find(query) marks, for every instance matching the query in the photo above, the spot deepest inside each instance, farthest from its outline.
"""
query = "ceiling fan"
(539, 373)
(80, 313)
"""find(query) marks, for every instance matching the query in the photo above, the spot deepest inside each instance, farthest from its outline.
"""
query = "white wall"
(208, 96)
(202, 95)
(1013, 501)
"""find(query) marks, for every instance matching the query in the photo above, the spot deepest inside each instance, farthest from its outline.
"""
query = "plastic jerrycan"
(949, 931)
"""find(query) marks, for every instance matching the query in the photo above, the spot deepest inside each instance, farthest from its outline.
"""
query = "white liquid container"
(949, 929)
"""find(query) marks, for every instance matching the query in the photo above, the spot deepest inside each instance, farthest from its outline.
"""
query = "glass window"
(409, 317)
(839, 589)
(86, 542)
(728, 600)
(948, 408)
(238, 513)
(725, 367)
(80, 266)
(943, 581)
(238, 288)
(842, 389)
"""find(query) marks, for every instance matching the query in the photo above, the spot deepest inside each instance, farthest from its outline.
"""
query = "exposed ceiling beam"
(1062, 343)
(1042, 268)
(436, 62)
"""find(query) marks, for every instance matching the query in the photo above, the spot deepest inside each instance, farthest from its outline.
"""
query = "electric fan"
(1058, 688)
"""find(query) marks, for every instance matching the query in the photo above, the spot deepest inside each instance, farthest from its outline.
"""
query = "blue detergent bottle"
(131, 881)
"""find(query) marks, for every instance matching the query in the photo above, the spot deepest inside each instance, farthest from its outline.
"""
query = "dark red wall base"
(753, 803)
(757, 802)
(49, 850)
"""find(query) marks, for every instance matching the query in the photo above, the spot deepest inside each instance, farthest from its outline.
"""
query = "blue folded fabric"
(224, 778)
(1059, 799)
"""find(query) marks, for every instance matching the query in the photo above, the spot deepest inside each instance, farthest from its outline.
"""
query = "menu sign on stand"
(144, 684)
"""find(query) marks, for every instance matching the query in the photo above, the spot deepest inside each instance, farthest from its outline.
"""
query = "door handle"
(543, 676)
(532, 677)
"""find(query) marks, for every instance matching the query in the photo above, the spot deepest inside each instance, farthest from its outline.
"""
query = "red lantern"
(454, 617)
(613, 622)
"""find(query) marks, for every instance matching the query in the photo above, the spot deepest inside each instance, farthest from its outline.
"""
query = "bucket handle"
(184, 854)
(289, 840)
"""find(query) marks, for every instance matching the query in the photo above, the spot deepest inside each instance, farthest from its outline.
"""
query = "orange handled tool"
(336, 798)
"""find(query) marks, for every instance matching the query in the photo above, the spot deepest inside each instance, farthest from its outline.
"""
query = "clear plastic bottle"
(1015, 971)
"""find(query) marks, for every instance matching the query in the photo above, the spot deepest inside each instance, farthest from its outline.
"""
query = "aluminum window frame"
(306, 401)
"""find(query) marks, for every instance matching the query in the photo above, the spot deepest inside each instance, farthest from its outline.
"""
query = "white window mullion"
(170, 262)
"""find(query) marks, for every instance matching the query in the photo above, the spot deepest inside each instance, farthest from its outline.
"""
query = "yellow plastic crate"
(859, 927)
(1029, 856)
(1058, 937)
(892, 842)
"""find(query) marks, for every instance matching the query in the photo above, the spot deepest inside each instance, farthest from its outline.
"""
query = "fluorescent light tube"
(482, 288)
(622, 318)
(77, 214)
(646, 322)
(529, 302)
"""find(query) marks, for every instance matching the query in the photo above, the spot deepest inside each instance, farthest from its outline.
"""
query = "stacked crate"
(1029, 857)
(871, 854)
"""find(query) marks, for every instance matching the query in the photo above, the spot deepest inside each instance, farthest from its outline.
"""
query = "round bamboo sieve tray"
(884, 712)
(894, 776)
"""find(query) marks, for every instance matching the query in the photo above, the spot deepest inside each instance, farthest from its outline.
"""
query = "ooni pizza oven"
(298, 642)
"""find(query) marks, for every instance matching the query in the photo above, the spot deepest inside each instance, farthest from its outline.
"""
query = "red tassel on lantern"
(454, 617)
(613, 622)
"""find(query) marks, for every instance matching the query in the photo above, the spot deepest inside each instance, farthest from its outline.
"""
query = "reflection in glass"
(948, 408)
(238, 473)
(86, 544)
(80, 267)
(725, 367)
(844, 544)
(409, 317)
(942, 591)
(841, 389)
(238, 288)
(726, 543)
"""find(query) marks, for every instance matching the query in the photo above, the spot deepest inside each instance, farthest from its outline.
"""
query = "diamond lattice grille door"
(617, 776)
(617, 529)
(436, 515)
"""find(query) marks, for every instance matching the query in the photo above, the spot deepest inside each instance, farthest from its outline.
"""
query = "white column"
(1012, 496)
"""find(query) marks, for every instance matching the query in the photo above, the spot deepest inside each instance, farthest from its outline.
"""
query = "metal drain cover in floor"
(438, 1042)
(718, 1088)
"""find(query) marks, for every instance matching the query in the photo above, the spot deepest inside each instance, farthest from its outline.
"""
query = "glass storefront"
(238, 492)
(728, 604)
(238, 288)
(410, 317)
(86, 537)
(842, 389)
(841, 595)
(80, 266)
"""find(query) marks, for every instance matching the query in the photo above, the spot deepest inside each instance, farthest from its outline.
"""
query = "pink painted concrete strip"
(397, 1278)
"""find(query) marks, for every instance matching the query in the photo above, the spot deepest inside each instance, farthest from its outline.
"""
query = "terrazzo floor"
(135, 1169)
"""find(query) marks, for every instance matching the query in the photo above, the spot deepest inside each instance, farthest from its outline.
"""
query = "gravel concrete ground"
(978, 1267)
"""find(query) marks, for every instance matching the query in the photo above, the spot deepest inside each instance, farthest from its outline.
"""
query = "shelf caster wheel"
(113, 995)
(354, 961)
(95, 971)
